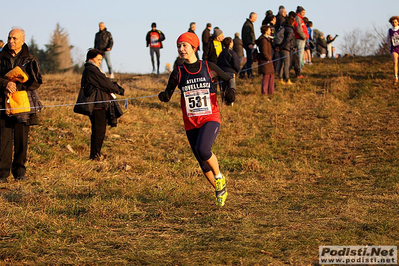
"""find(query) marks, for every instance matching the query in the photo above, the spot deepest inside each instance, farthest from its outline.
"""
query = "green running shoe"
(220, 183)
(221, 197)
(220, 190)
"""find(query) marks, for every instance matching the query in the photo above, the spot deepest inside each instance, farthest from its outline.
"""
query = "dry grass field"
(316, 165)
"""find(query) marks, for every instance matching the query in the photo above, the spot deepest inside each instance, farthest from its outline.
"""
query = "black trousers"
(201, 141)
(248, 65)
(12, 132)
(98, 121)
(156, 51)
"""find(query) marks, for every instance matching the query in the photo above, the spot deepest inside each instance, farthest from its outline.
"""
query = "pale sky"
(129, 21)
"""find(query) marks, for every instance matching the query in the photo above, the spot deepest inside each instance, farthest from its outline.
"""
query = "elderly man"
(12, 129)
(104, 42)
(280, 18)
(248, 40)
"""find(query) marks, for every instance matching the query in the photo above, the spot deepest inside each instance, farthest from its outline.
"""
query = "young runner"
(200, 108)
(393, 38)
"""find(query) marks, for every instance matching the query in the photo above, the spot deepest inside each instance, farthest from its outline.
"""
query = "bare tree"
(358, 42)
(60, 41)
(383, 44)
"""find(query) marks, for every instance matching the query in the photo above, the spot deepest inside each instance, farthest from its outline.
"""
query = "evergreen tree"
(61, 48)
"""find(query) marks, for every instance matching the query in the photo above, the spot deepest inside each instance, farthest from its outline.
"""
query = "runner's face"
(395, 23)
(185, 50)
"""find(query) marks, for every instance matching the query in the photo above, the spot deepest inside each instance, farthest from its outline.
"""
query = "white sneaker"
(111, 76)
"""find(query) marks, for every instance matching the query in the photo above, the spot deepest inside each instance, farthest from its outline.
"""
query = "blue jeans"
(107, 58)
(300, 44)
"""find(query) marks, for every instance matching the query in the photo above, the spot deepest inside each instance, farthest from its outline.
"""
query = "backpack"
(279, 37)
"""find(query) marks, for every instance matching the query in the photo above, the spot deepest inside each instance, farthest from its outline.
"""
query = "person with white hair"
(14, 128)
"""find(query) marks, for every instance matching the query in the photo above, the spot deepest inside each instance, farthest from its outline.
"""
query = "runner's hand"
(163, 97)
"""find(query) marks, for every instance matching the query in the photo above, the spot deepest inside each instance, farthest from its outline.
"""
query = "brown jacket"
(265, 56)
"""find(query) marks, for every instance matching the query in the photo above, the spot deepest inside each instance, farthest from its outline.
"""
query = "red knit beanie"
(190, 38)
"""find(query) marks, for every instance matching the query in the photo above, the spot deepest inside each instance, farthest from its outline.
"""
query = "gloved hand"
(121, 90)
(164, 97)
(230, 95)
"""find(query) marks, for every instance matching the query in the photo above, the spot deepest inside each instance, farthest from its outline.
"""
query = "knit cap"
(190, 38)
(217, 32)
(299, 9)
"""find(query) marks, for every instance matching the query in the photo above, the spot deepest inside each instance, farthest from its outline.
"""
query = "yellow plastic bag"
(17, 103)
(17, 74)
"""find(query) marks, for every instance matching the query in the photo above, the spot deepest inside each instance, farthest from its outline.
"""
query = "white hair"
(20, 29)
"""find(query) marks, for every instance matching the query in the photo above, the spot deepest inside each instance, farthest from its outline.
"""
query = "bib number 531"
(198, 102)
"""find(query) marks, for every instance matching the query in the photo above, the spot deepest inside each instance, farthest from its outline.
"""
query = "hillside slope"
(316, 165)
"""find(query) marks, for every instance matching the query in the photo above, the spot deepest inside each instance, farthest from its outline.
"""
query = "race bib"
(198, 102)
(395, 39)
(154, 40)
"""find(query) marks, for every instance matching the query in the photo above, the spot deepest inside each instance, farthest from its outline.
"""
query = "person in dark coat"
(192, 29)
(154, 39)
(206, 35)
(265, 65)
(103, 41)
(228, 61)
(95, 81)
(280, 18)
(248, 40)
(214, 46)
(14, 133)
(321, 46)
(286, 48)
(238, 46)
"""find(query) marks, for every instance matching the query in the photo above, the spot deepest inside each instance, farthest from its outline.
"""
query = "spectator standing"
(94, 81)
(330, 39)
(238, 47)
(301, 33)
(229, 62)
(265, 64)
(104, 42)
(286, 49)
(270, 21)
(154, 40)
(280, 18)
(14, 130)
(321, 46)
(393, 38)
(309, 44)
(248, 40)
(206, 35)
(192, 29)
(215, 46)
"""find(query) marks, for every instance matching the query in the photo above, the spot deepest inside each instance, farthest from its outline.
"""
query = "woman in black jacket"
(286, 48)
(95, 81)
(229, 62)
